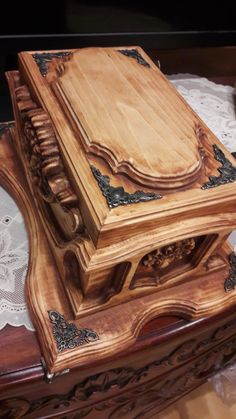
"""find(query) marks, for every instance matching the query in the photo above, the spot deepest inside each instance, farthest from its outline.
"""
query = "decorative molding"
(207, 363)
(43, 59)
(227, 171)
(67, 335)
(116, 196)
(133, 53)
(230, 282)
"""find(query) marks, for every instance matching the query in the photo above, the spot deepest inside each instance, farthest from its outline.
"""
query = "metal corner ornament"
(227, 171)
(230, 282)
(67, 335)
(116, 196)
(42, 59)
(133, 53)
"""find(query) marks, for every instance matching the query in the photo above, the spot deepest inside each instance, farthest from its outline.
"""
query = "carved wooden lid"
(125, 111)
(112, 131)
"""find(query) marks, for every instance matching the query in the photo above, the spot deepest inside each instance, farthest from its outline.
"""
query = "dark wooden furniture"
(171, 355)
(170, 358)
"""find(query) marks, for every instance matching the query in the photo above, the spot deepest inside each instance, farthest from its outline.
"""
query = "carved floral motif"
(164, 256)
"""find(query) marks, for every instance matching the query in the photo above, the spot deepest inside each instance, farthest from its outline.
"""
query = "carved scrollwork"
(156, 393)
(164, 256)
(46, 166)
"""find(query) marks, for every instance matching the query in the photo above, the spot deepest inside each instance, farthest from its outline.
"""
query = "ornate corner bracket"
(230, 282)
(116, 196)
(44, 58)
(133, 53)
(227, 171)
(67, 335)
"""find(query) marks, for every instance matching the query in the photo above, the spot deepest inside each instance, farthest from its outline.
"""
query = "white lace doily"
(214, 104)
(13, 264)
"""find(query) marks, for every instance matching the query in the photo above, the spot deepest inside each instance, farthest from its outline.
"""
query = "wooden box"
(136, 196)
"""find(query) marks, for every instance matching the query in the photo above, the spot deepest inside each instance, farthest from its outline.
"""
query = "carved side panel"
(166, 262)
(45, 164)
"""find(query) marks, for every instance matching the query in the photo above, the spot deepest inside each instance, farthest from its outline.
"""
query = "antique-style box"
(135, 194)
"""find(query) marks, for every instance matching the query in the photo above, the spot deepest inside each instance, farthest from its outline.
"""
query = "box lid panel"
(126, 112)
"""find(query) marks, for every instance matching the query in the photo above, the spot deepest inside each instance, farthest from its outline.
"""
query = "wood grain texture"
(130, 117)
